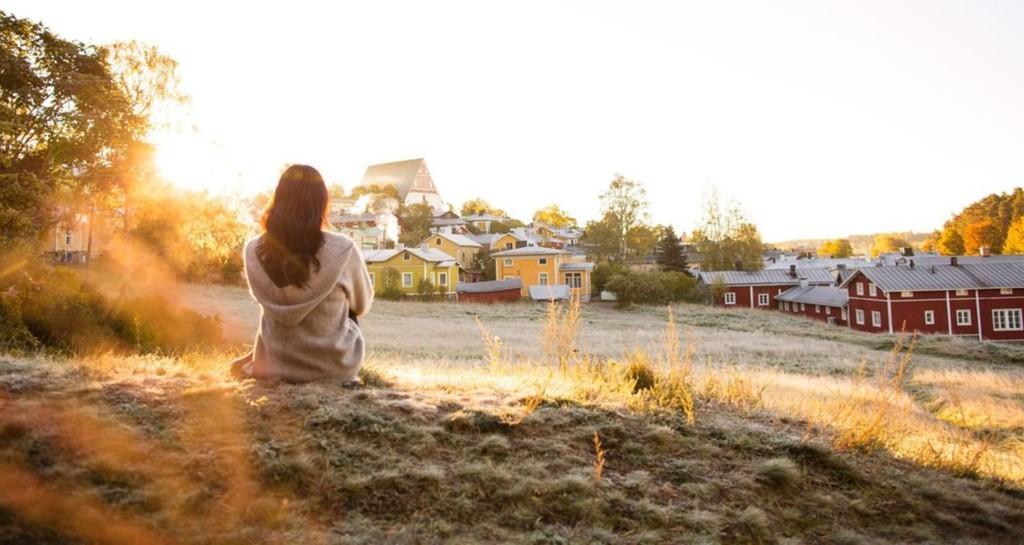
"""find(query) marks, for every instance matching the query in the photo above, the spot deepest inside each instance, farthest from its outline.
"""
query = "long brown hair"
(292, 225)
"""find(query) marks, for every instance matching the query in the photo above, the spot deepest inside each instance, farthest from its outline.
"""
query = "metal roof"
(458, 240)
(530, 250)
(432, 255)
(822, 263)
(490, 286)
(768, 276)
(816, 295)
(944, 277)
(577, 266)
(400, 174)
(550, 292)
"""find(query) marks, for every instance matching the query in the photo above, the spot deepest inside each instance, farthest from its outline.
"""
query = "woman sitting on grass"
(311, 285)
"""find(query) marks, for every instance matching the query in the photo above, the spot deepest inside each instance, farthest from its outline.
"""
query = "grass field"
(507, 424)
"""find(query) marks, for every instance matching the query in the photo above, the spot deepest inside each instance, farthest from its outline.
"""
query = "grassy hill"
(609, 427)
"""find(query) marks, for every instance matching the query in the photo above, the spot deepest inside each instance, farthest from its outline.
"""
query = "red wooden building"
(825, 303)
(494, 291)
(984, 301)
(758, 289)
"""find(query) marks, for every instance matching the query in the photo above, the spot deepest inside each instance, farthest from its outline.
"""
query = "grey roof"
(400, 174)
(353, 218)
(458, 240)
(944, 277)
(432, 255)
(816, 295)
(490, 286)
(484, 217)
(768, 277)
(485, 239)
(577, 266)
(530, 250)
(444, 222)
(933, 259)
(549, 292)
(822, 263)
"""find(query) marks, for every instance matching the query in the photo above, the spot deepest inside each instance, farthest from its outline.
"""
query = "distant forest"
(995, 222)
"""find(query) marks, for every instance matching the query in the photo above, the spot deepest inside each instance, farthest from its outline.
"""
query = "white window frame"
(574, 279)
(729, 298)
(929, 317)
(817, 309)
(407, 280)
(542, 279)
(442, 279)
(961, 293)
(860, 288)
(860, 316)
(872, 289)
(787, 306)
(1007, 319)
(828, 311)
(1005, 291)
(906, 294)
(542, 261)
(508, 262)
(509, 246)
(802, 307)
(763, 299)
(843, 313)
(962, 312)
(876, 318)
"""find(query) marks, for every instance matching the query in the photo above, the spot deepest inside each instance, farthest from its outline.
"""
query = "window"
(876, 318)
(542, 261)
(406, 256)
(787, 305)
(817, 309)
(574, 279)
(860, 288)
(782, 306)
(730, 298)
(1006, 319)
(844, 315)
(1005, 291)
(508, 262)
(929, 317)
(508, 246)
(373, 279)
(802, 307)
(442, 279)
(828, 310)
(963, 317)
(762, 299)
(872, 290)
(67, 237)
(906, 294)
(438, 241)
(860, 316)
(542, 279)
(406, 280)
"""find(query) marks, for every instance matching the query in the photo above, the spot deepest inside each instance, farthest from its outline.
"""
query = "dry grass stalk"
(493, 351)
(599, 454)
(560, 336)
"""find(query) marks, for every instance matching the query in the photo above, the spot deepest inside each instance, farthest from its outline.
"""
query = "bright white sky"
(822, 118)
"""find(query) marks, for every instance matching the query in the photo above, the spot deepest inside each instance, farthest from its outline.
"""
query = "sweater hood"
(291, 305)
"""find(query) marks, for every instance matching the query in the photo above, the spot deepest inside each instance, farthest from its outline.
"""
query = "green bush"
(604, 272)
(389, 283)
(51, 308)
(649, 288)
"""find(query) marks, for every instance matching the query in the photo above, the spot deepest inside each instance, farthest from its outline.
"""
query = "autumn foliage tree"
(1014, 243)
(726, 238)
(554, 216)
(989, 221)
(838, 248)
(980, 234)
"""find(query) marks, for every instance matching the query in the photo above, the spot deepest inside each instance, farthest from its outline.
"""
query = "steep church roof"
(400, 174)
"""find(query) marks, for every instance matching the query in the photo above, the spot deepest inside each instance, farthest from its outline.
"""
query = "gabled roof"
(458, 240)
(400, 174)
(943, 277)
(485, 239)
(490, 286)
(430, 255)
(816, 295)
(768, 277)
(530, 250)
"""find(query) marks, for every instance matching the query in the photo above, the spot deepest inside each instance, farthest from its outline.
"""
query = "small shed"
(493, 291)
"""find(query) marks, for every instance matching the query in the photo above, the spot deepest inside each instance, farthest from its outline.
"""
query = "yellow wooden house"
(461, 247)
(411, 265)
(545, 271)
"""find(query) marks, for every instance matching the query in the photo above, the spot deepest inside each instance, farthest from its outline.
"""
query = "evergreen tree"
(670, 251)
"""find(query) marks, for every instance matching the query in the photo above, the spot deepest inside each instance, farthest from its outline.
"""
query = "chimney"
(907, 251)
(953, 261)
(792, 271)
(841, 266)
(911, 263)
(803, 282)
(984, 251)
(738, 265)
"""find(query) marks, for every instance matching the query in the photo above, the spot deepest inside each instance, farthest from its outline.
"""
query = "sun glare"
(190, 163)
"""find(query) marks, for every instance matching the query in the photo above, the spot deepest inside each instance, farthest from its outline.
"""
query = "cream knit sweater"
(305, 332)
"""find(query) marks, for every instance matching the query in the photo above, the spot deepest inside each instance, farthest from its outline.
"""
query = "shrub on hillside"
(652, 288)
(51, 308)
(604, 272)
(389, 285)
